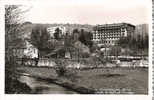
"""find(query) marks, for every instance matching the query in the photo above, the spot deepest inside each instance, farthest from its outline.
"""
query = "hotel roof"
(115, 25)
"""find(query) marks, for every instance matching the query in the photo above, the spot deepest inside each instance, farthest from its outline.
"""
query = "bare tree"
(13, 27)
(13, 33)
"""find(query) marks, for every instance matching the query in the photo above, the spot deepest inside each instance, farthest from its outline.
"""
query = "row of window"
(106, 38)
(105, 31)
(108, 33)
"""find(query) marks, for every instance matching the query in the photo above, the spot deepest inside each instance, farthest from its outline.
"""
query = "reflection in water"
(43, 87)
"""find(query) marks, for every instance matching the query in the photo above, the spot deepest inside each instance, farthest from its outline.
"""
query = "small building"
(25, 49)
(30, 51)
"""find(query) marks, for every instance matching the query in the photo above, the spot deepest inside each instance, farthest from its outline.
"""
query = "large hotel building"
(108, 34)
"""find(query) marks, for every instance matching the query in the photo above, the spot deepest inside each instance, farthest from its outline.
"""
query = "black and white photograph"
(77, 48)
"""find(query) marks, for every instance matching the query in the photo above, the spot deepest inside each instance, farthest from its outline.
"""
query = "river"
(44, 87)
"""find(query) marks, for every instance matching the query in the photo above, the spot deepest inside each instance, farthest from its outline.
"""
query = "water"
(44, 87)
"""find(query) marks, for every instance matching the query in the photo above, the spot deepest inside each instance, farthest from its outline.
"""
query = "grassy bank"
(134, 79)
(14, 86)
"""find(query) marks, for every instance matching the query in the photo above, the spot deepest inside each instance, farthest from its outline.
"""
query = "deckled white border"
(66, 97)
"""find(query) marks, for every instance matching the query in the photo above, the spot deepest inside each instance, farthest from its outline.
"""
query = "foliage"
(57, 34)
(13, 28)
(94, 47)
(75, 35)
(62, 71)
(115, 51)
(134, 44)
(85, 37)
(68, 41)
(75, 30)
(15, 86)
(13, 33)
(40, 37)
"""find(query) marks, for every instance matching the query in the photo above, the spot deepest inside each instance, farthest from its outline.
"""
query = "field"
(134, 80)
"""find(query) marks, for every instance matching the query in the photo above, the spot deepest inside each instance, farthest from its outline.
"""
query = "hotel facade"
(108, 34)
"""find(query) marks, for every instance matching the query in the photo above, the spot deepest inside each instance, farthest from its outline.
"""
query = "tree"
(57, 33)
(134, 45)
(123, 42)
(13, 33)
(40, 38)
(75, 30)
(13, 27)
(75, 35)
(146, 43)
(85, 37)
(115, 51)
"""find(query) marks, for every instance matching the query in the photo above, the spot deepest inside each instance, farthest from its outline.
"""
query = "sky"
(86, 12)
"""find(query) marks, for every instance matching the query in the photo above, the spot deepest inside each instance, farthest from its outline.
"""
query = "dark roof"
(54, 52)
(116, 25)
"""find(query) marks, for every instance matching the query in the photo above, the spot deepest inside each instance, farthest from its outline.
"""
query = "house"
(24, 49)
(30, 51)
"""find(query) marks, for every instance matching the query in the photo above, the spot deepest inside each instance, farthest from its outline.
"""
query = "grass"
(116, 78)
(134, 79)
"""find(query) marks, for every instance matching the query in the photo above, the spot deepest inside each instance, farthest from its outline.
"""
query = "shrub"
(62, 71)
